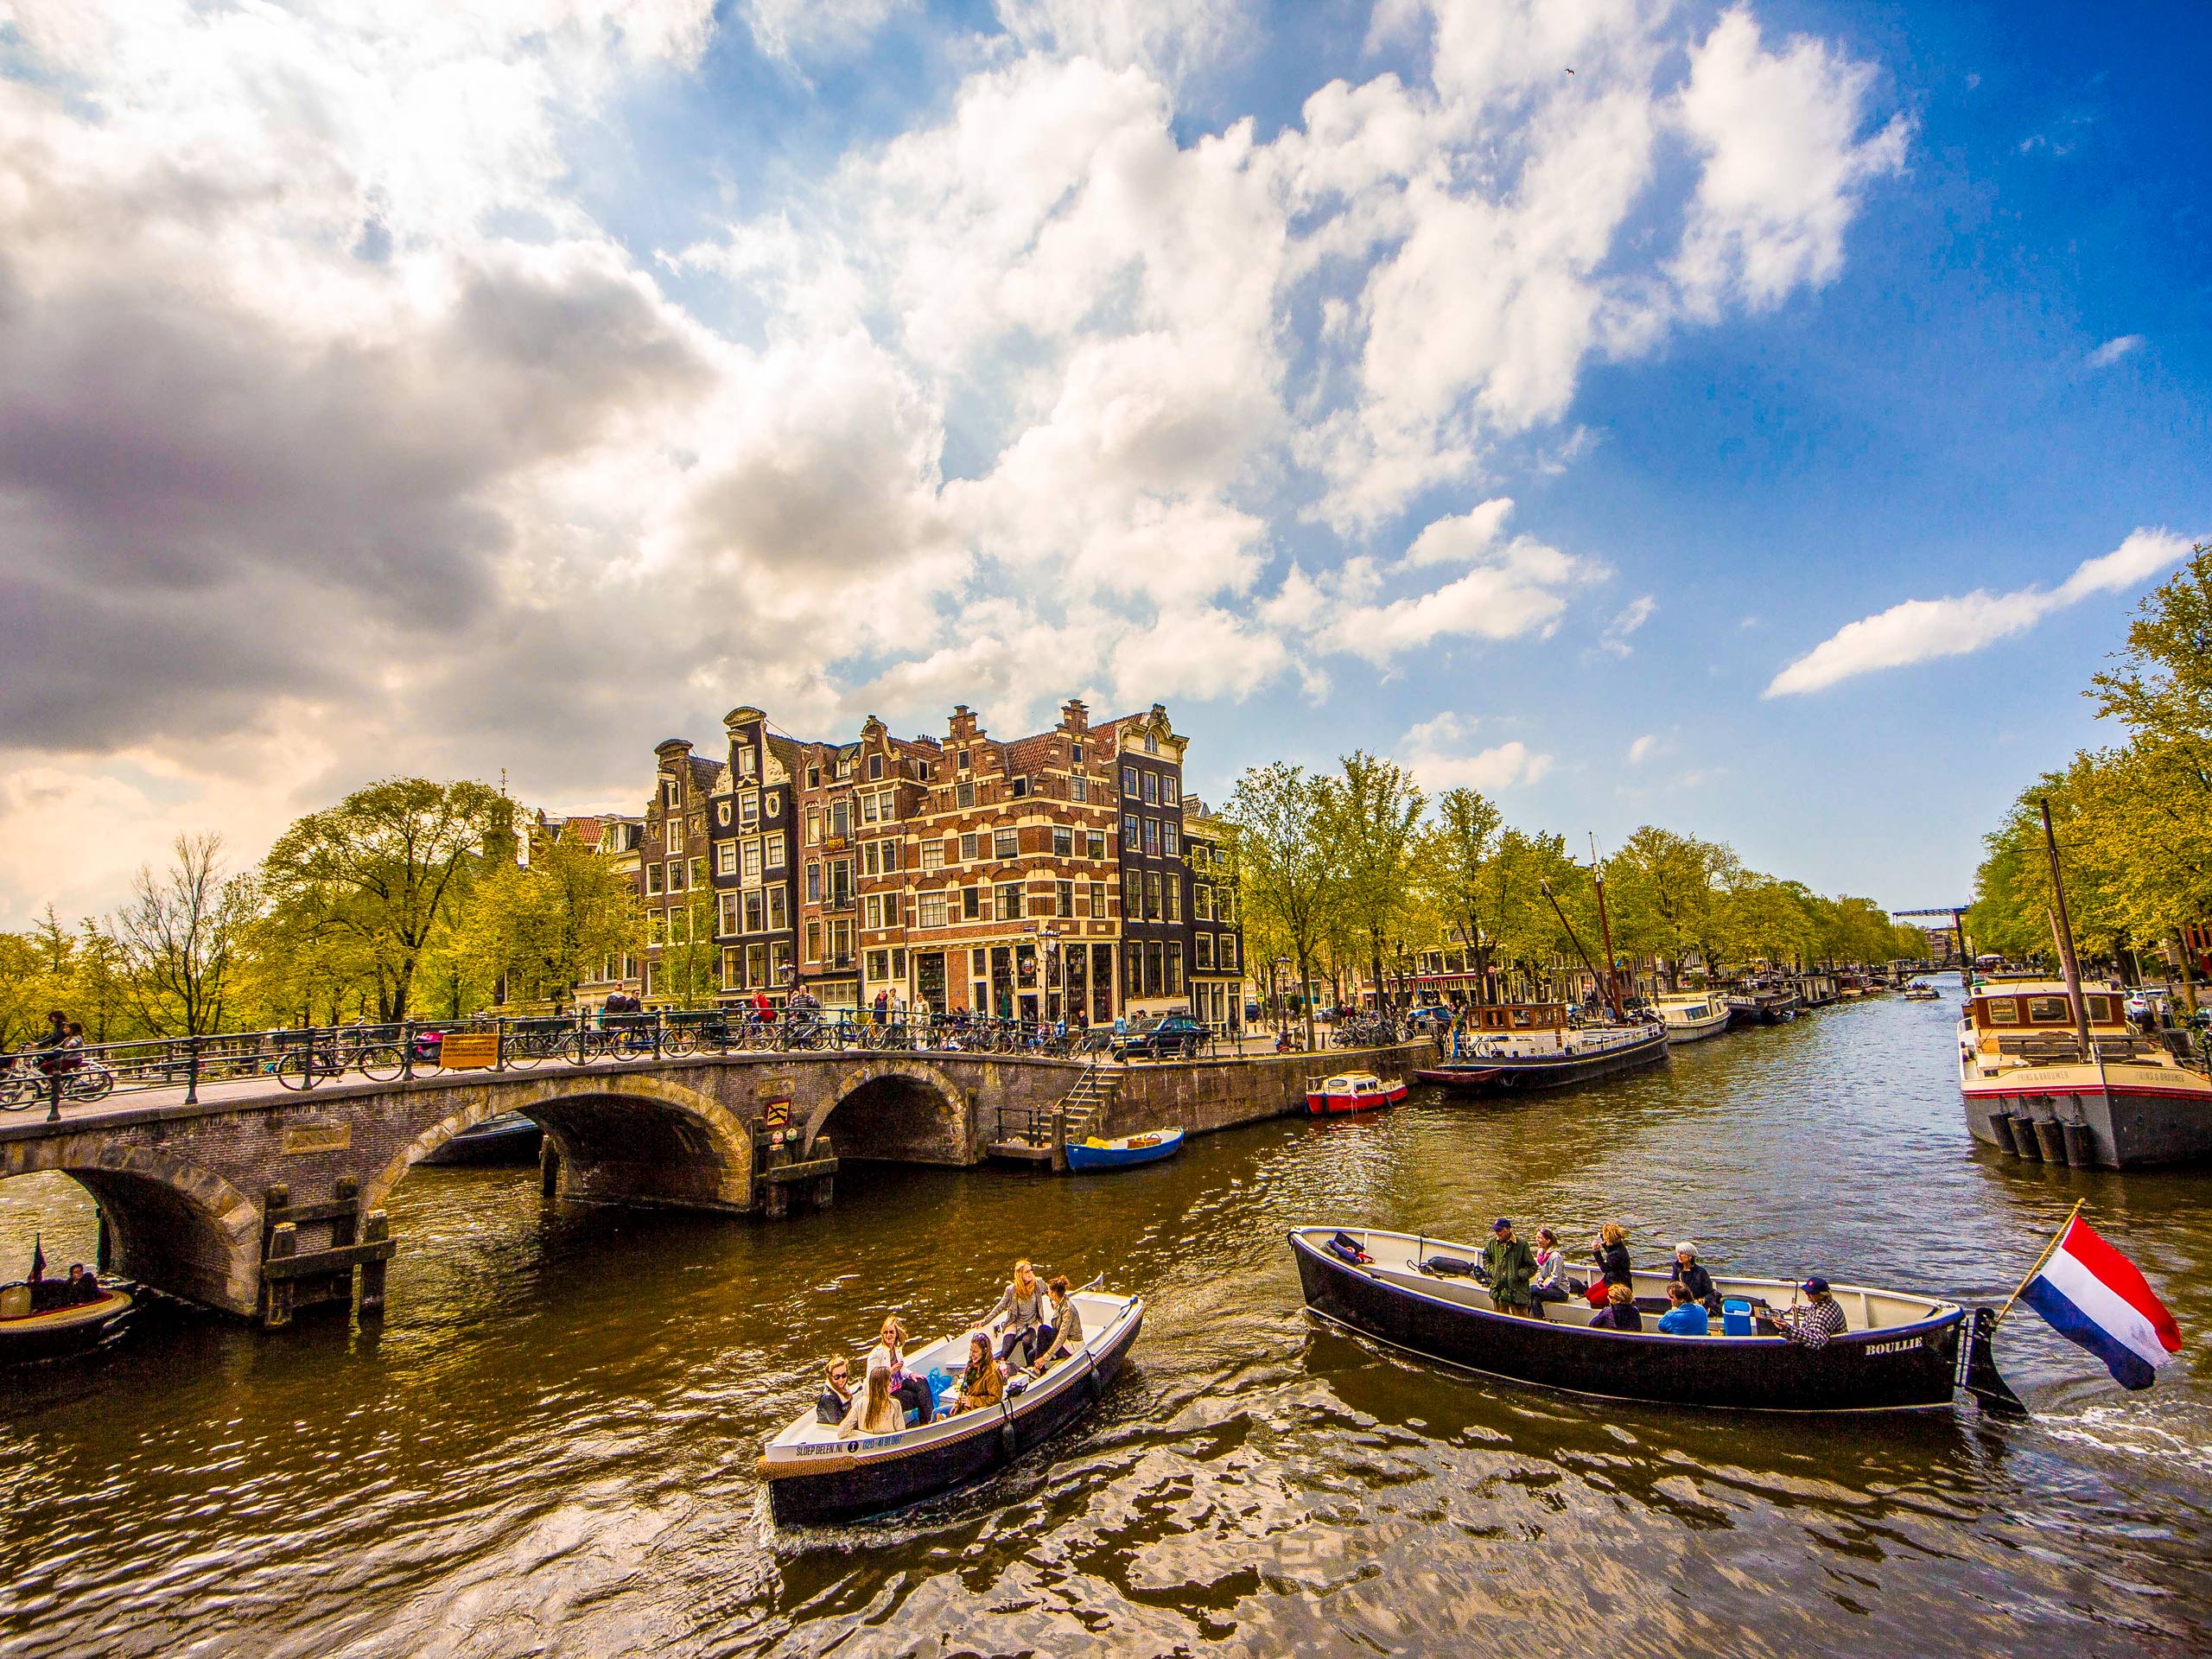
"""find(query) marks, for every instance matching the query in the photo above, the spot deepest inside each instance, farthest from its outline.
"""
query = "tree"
(1280, 864)
(382, 867)
(1453, 854)
(1369, 829)
(178, 939)
(595, 913)
(1660, 888)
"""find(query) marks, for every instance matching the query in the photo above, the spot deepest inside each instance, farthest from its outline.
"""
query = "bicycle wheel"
(679, 1040)
(381, 1063)
(296, 1069)
(524, 1051)
(95, 1084)
(17, 1094)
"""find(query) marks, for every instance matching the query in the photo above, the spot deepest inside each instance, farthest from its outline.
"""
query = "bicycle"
(332, 1054)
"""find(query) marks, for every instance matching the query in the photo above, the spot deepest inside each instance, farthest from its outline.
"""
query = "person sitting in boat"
(1683, 1316)
(836, 1399)
(983, 1384)
(1619, 1311)
(913, 1391)
(1821, 1319)
(1066, 1331)
(1510, 1265)
(876, 1410)
(1022, 1304)
(84, 1286)
(1610, 1251)
(1689, 1273)
(1550, 1283)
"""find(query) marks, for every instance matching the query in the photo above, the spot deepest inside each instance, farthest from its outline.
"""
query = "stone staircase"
(1037, 1137)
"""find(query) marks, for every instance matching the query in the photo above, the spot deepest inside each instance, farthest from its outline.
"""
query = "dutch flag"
(2093, 1294)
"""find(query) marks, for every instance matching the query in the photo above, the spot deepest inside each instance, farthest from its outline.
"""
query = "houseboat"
(1691, 1016)
(1762, 1002)
(2030, 1090)
(1511, 1046)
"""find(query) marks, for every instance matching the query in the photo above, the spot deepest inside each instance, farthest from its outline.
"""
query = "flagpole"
(2047, 1252)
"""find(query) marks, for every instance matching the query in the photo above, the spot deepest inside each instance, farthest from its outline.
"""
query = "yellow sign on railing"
(468, 1050)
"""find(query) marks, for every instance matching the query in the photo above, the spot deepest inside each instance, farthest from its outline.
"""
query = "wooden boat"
(510, 1138)
(2028, 1089)
(1921, 991)
(1129, 1149)
(1528, 1045)
(56, 1333)
(1351, 1091)
(1901, 1352)
(814, 1474)
(1691, 1016)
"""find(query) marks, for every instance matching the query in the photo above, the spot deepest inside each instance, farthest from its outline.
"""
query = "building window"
(840, 944)
(971, 904)
(698, 872)
(1151, 744)
(725, 859)
(1202, 947)
(932, 857)
(1228, 951)
(1152, 789)
(872, 912)
(868, 809)
(655, 882)
(768, 805)
(1151, 837)
(1020, 788)
(1151, 912)
(1132, 838)
(971, 849)
(779, 914)
(1201, 902)
(652, 979)
(891, 858)
(1169, 840)
(1097, 900)
(751, 870)
(1098, 840)
(1006, 843)
(749, 808)
(672, 794)
(729, 914)
(814, 941)
(868, 866)
(756, 919)
(1078, 788)
(840, 816)
(1129, 781)
(963, 795)
(813, 884)
(1133, 970)
(814, 777)
(1132, 895)
(960, 760)
(1174, 899)
(722, 813)
(748, 761)
(1170, 791)
(813, 826)
(874, 767)
(780, 960)
(1063, 843)
(676, 875)
(679, 927)
(933, 910)
(1174, 968)
(1065, 893)
(1008, 908)
(772, 851)
(729, 968)
(1075, 752)
(844, 766)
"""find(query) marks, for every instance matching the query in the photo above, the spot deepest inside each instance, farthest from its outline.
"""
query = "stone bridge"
(257, 1200)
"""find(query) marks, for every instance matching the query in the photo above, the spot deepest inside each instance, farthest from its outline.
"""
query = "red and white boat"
(1351, 1091)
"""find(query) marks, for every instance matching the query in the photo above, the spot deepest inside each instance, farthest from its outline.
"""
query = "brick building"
(1043, 877)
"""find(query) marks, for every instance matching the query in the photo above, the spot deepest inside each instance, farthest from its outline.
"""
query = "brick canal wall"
(1209, 1094)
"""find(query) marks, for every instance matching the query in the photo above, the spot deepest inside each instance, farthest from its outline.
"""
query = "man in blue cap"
(1821, 1319)
(1511, 1265)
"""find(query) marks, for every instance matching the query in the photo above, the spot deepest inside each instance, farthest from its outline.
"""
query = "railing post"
(499, 1042)
(407, 1050)
(657, 1032)
(192, 1069)
(54, 1087)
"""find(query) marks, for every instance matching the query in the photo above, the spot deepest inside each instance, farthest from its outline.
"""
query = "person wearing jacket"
(983, 1384)
(1510, 1267)
(1619, 1312)
(836, 1398)
(1550, 1283)
(1065, 1331)
(1610, 1251)
(1689, 1273)
(913, 1391)
(1022, 1303)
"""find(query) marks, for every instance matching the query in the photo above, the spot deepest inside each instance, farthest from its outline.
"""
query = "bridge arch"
(631, 1138)
(901, 1110)
(175, 1226)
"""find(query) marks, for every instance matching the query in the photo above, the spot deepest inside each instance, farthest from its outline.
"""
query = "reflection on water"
(550, 1445)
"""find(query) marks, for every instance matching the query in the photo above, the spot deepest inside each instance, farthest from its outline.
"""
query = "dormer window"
(672, 793)
(874, 768)
(748, 761)
(1020, 788)
(1151, 744)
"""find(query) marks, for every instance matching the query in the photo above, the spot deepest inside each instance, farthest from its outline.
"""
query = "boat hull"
(2130, 1124)
(62, 1332)
(1327, 1105)
(1510, 1074)
(1698, 1031)
(508, 1139)
(850, 1488)
(1911, 1368)
(1081, 1158)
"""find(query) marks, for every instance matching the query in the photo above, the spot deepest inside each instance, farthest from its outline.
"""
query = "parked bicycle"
(313, 1057)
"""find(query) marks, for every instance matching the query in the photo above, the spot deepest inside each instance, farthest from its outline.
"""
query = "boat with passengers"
(1902, 1350)
(2031, 1089)
(816, 1473)
(1507, 1047)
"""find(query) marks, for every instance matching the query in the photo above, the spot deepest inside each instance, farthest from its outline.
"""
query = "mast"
(2063, 928)
(1606, 928)
(1576, 938)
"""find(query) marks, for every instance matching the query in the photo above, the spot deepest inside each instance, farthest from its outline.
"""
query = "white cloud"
(1922, 630)
(2113, 350)
(804, 29)
(1644, 748)
(1633, 616)
(1460, 540)
(1435, 752)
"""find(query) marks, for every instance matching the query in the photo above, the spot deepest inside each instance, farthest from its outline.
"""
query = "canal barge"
(1759, 1003)
(1513, 1047)
(30, 1334)
(814, 1474)
(1691, 1016)
(2030, 1090)
(1903, 1352)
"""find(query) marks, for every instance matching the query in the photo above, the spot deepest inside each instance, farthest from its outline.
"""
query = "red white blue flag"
(2093, 1294)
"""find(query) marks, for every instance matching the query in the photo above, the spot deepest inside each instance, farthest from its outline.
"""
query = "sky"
(1755, 419)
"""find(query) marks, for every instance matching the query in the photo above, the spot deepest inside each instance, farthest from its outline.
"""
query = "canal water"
(549, 1447)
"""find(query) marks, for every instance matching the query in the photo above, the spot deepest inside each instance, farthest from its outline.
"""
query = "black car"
(1168, 1036)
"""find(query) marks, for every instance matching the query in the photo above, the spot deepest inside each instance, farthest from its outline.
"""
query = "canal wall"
(1204, 1096)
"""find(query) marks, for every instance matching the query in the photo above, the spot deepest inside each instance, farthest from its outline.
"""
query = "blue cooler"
(1735, 1317)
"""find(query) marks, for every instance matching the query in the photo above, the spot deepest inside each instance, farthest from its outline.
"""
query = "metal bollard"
(191, 1071)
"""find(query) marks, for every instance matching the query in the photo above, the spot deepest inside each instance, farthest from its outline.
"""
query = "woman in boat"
(1610, 1251)
(876, 1410)
(913, 1391)
(983, 1384)
(1550, 1282)
(1022, 1302)
(1619, 1312)
(1065, 1331)
(1689, 1273)
(836, 1399)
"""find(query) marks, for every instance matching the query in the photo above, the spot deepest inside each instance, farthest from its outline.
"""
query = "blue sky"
(395, 392)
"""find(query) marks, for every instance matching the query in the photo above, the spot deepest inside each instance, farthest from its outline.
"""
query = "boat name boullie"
(1904, 1347)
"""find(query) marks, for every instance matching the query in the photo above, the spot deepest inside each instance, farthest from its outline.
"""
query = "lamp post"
(1055, 986)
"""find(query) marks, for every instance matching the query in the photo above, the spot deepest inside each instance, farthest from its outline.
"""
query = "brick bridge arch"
(900, 1108)
(173, 1224)
(631, 1138)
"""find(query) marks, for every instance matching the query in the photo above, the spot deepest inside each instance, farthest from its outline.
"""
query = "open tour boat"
(1691, 1016)
(56, 1333)
(1525, 1045)
(1902, 1351)
(2030, 1090)
(1351, 1091)
(816, 1474)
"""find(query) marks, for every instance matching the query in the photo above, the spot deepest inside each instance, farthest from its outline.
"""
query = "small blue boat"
(1148, 1148)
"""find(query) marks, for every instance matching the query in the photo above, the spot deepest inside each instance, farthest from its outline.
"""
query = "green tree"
(1280, 864)
(1370, 827)
(381, 868)
(1452, 859)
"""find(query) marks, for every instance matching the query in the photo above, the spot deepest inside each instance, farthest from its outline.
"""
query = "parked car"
(1164, 1037)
